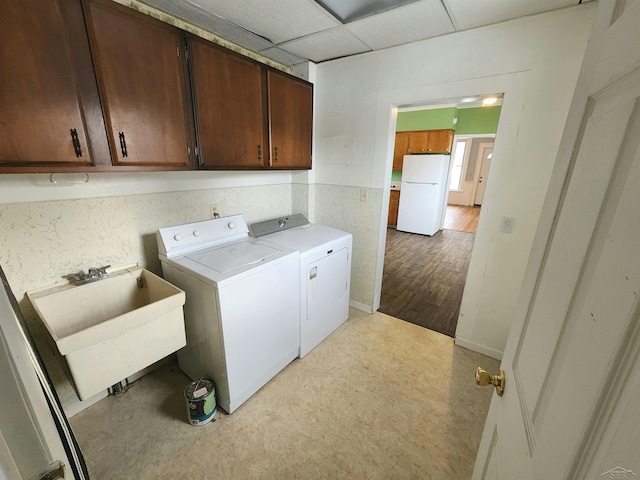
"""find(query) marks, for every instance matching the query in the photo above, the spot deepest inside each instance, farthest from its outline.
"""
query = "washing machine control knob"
(231, 225)
(196, 233)
(177, 237)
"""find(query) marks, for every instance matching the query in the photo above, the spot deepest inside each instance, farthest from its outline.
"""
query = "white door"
(30, 441)
(570, 409)
(486, 154)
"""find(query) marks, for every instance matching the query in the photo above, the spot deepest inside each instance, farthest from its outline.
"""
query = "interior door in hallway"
(486, 152)
(570, 408)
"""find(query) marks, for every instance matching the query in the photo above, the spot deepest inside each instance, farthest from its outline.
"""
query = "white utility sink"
(112, 328)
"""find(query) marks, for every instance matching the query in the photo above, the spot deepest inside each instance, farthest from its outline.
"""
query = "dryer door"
(326, 282)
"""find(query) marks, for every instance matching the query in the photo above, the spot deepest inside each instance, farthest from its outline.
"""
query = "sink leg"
(118, 388)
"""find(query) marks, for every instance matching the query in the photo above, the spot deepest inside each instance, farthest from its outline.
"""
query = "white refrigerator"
(423, 194)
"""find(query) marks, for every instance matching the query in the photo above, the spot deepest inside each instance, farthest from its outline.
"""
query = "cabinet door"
(50, 111)
(440, 141)
(228, 103)
(400, 149)
(394, 204)
(143, 85)
(290, 121)
(419, 141)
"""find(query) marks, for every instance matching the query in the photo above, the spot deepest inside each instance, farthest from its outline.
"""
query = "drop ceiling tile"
(210, 22)
(474, 13)
(277, 20)
(281, 56)
(326, 45)
(417, 21)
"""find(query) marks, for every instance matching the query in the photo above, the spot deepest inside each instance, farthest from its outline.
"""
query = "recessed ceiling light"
(489, 101)
(356, 9)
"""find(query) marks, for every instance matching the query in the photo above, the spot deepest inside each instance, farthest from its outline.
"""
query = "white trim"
(476, 347)
(360, 306)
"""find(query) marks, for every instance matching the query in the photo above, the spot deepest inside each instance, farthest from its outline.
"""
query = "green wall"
(470, 120)
(426, 119)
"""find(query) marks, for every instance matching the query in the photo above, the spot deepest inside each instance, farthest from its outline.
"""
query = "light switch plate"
(506, 224)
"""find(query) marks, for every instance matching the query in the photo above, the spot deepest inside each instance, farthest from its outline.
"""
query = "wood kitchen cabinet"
(440, 141)
(248, 116)
(400, 149)
(421, 141)
(92, 85)
(431, 141)
(290, 102)
(143, 85)
(394, 204)
(50, 114)
(228, 99)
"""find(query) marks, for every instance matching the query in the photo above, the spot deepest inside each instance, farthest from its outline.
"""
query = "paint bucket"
(201, 402)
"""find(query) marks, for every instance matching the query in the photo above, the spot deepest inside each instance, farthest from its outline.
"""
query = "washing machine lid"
(233, 261)
(230, 257)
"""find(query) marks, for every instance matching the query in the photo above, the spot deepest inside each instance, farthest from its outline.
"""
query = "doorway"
(424, 277)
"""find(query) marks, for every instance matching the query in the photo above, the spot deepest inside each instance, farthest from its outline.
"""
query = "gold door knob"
(485, 378)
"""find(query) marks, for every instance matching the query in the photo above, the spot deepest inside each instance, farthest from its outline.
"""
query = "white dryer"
(325, 273)
(242, 306)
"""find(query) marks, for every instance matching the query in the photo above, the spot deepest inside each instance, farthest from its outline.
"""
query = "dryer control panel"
(278, 224)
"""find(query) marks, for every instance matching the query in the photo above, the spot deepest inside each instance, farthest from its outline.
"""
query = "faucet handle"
(103, 270)
(76, 276)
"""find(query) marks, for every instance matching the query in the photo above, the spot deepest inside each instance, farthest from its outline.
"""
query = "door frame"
(50, 425)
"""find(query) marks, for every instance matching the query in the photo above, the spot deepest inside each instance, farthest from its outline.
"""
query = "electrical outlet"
(214, 211)
(506, 224)
(364, 195)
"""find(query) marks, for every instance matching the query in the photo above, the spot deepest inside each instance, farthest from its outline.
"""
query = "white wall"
(535, 62)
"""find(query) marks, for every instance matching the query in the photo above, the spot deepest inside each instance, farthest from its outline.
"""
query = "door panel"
(144, 86)
(484, 175)
(47, 87)
(290, 121)
(576, 336)
(327, 282)
(228, 99)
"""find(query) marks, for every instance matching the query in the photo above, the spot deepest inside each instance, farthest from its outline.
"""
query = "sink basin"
(112, 328)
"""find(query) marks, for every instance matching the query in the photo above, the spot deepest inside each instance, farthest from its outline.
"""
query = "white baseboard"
(489, 352)
(360, 306)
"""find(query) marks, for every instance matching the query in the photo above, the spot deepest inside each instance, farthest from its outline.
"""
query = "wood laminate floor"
(424, 277)
(462, 218)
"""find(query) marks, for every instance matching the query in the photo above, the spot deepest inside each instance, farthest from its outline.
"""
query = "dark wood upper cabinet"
(50, 115)
(92, 85)
(144, 87)
(229, 107)
(290, 121)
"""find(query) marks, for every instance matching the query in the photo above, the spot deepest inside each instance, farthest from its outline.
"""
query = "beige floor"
(379, 399)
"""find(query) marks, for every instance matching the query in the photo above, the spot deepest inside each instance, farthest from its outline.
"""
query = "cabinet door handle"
(76, 142)
(259, 152)
(123, 144)
(276, 152)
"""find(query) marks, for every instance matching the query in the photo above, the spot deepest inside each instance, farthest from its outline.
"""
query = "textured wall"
(42, 241)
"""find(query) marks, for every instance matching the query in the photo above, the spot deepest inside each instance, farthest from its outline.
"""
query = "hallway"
(424, 277)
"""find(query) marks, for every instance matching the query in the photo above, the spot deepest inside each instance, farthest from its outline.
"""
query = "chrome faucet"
(92, 275)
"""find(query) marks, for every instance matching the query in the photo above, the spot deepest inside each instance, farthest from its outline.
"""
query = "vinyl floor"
(423, 278)
(379, 399)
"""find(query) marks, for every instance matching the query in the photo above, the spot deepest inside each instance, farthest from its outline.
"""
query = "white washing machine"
(325, 273)
(242, 307)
